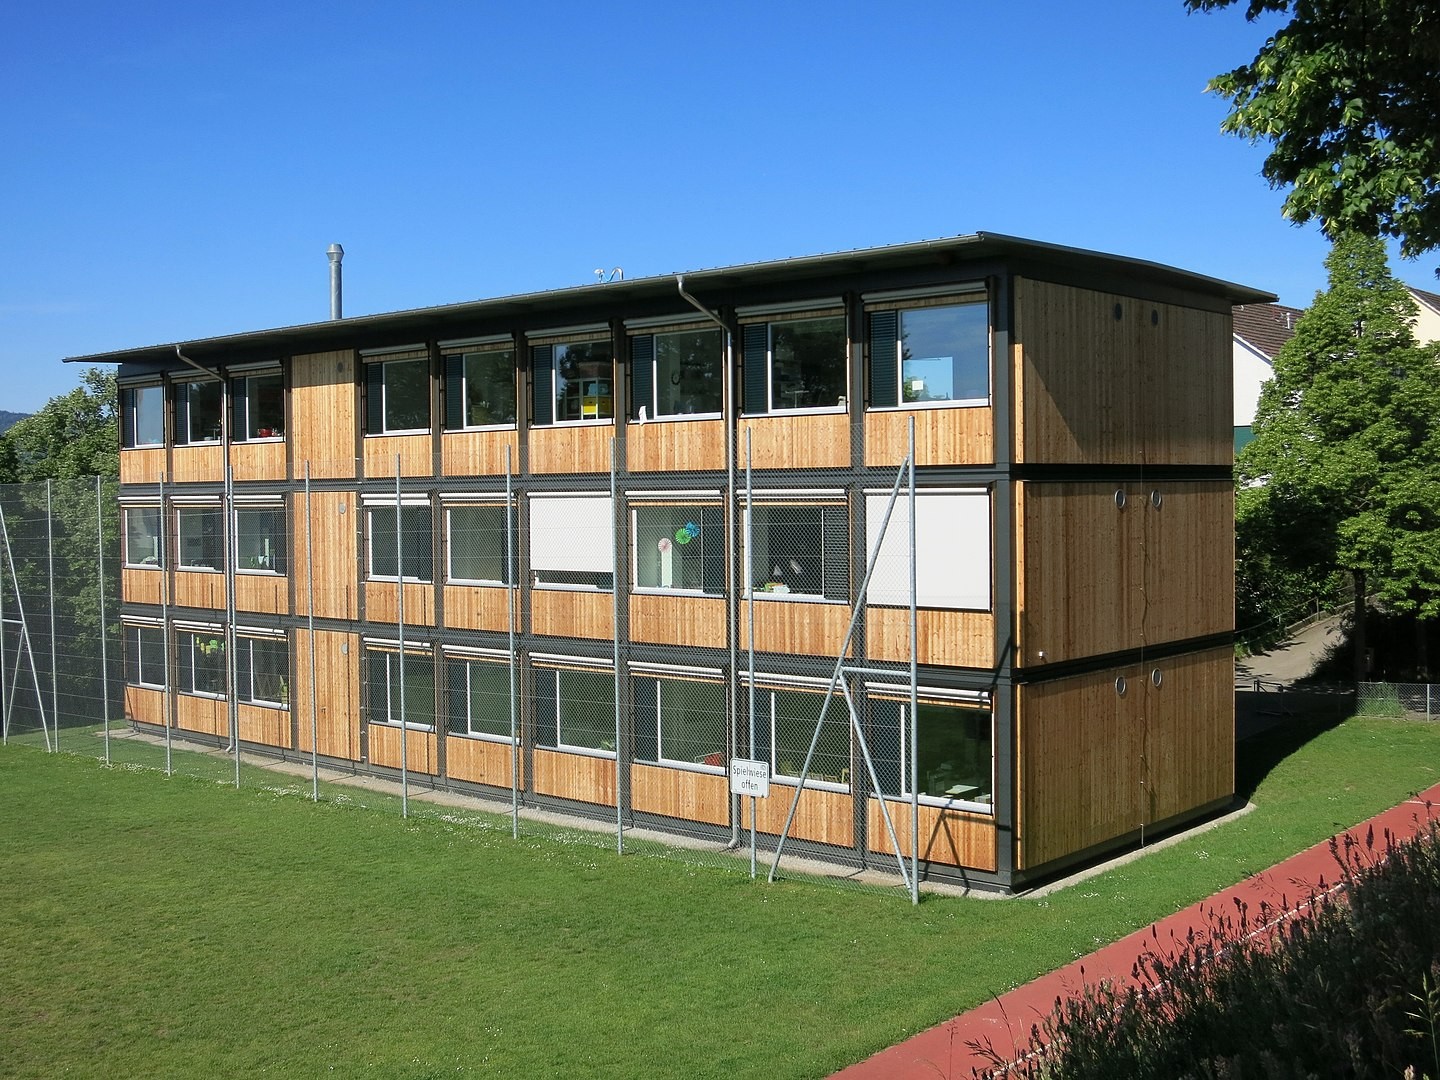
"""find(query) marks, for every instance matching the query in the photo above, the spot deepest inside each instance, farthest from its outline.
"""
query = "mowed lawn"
(178, 927)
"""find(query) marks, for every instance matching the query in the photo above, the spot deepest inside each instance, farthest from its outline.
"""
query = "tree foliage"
(73, 436)
(1344, 470)
(1348, 94)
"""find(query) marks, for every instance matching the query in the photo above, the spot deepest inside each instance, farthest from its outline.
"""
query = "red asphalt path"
(1004, 1023)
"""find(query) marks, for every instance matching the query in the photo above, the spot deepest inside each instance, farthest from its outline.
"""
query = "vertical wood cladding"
(820, 441)
(1149, 386)
(951, 837)
(337, 699)
(680, 794)
(675, 446)
(322, 410)
(478, 453)
(142, 466)
(950, 436)
(334, 521)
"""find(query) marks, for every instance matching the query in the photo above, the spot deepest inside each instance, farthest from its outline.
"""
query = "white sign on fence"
(750, 777)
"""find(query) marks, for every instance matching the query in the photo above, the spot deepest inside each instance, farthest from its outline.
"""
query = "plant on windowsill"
(284, 694)
(211, 647)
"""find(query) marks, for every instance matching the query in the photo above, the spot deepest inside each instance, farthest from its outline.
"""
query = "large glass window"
(680, 722)
(416, 707)
(796, 364)
(800, 549)
(202, 662)
(264, 670)
(142, 416)
(477, 546)
(408, 555)
(680, 547)
(260, 539)
(677, 374)
(787, 720)
(197, 412)
(397, 396)
(575, 710)
(201, 531)
(572, 542)
(142, 536)
(930, 356)
(259, 406)
(479, 697)
(145, 655)
(952, 749)
(573, 382)
(479, 388)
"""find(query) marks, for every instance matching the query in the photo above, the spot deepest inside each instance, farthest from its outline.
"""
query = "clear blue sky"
(172, 171)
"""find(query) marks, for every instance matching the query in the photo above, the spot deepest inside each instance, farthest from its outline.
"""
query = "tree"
(1348, 93)
(73, 436)
(1340, 474)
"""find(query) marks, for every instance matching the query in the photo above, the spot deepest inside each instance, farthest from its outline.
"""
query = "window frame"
(245, 692)
(216, 513)
(158, 536)
(545, 361)
(184, 392)
(412, 654)
(506, 531)
(974, 703)
(465, 694)
(454, 362)
(833, 567)
(644, 738)
(131, 398)
(880, 335)
(767, 727)
(135, 655)
(187, 640)
(379, 410)
(546, 724)
(645, 348)
(282, 541)
(701, 510)
(758, 360)
(243, 397)
(953, 545)
(580, 515)
(400, 562)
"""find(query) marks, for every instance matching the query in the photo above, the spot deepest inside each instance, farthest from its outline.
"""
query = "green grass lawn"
(179, 927)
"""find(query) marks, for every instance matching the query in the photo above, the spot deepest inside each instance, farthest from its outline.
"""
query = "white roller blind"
(572, 533)
(952, 550)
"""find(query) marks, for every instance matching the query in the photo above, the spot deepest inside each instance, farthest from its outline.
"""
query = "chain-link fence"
(725, 673)
(1411, 701)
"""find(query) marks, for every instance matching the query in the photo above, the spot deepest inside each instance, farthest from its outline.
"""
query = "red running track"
(944, 1050)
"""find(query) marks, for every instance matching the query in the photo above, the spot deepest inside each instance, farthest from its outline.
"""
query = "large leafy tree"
(1348, 94)
(73, 436)
(1341, 475)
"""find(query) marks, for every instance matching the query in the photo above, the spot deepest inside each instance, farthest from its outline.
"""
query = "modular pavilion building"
(582, 549)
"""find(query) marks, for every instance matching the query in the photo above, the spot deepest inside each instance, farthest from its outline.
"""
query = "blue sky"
(173, 171)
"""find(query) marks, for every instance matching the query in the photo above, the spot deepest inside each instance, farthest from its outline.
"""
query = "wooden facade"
(1085, 614)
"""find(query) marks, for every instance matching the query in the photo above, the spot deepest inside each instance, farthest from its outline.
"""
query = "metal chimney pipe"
(336, 253)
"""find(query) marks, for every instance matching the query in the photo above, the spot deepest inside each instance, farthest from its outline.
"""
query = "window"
(259, 404)
(953, 740)
(572, 542)
(202, 537)
(785, 724)
(573, 382)
(397, 396)
(796, 364)
(575, 710)
(410, 554)
(145, 655)
(477, 544)
(142, 416)
(930, 356)
(680, 547)
(680, 722)
(800, 549)
(142, 536)
(263, 670)
(952, 549)
(260, 540)
(416, 708)
(202, 662)
(197, 412)
(677, 374)
(479, 697)
(479, 388)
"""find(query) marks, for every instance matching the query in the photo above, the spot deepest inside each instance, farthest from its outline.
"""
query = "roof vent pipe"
(336, 253)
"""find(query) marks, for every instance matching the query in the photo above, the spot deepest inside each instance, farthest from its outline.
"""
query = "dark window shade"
(127, 417)
(712, 532)
(642, 375)
(885, 744)
(757, 368)
(374, 399)
(455, 392)
(457, 693)
(547, 731)
(835, 531)
(884, 362)
(647, 743)
(542, 365)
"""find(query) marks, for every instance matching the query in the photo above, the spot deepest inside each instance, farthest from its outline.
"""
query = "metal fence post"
(104, 655)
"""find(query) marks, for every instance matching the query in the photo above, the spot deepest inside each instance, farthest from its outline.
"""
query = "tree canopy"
(73, 436)
(1348, 94)
(1344, 470)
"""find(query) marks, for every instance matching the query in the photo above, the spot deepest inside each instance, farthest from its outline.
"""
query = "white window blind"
(952, 550)
(572, 534)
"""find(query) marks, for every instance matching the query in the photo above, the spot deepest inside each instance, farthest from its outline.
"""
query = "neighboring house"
(1073, 668)
(1427, 322)
(1260, 331)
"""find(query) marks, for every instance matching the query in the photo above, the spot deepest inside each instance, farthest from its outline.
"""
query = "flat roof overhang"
(433, 322)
